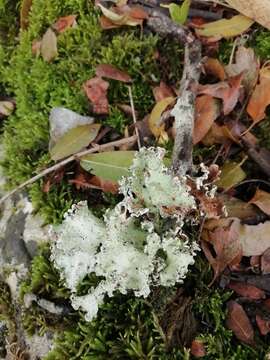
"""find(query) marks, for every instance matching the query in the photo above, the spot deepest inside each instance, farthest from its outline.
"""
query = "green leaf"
(179, 13)
(109, 165)
(231, 174)
(74, 140)
(226, 28)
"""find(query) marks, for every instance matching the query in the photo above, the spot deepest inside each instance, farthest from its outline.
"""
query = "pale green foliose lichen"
(129, 250)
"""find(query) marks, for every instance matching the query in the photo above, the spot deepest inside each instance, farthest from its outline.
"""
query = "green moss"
(261, 43)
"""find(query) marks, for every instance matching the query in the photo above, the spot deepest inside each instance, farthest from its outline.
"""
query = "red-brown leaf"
(96, 91)
(245, 290)
(222, 235)
(263, 325)
(111, 72)
(64, 23)
(162, 91)
(265, 262)
(239, 323)
(228, 91)
(207, 110)
(260, 98)
(197, 349)
(214, 67)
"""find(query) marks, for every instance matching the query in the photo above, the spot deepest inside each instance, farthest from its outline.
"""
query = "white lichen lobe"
(132, 249)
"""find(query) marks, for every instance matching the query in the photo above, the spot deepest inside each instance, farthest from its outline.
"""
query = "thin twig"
(134, 116)
(67, 161)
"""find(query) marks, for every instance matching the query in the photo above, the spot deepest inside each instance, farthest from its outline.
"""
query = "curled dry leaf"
(207, 110)
(96, 91)
(247, 63)
(265, 262)
(262, 200)
(263, 325)
(154, 121)
(111, 72)
(48, 47)
(238, 321)
(228, 91)
(238, 208)
(214, 67)
(122, 15)
(225, 28)
(260, 97)
(162, 91)
(197, 349)
(64, 23)
(258, 10)
(247, 291)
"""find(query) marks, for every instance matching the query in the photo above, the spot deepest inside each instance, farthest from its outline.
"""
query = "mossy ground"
(126, 328)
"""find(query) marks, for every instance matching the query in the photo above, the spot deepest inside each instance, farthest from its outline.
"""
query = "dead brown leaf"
(162, 91)
(262, 200)
(111, 72)
(104, 185)
(260, 97)
(64, 23)
(96, 91)
(238, 321)
(258, 10)
(218, 134)
(248, 291)
(197, 349)
(265, 262)
(223, 236)
(228, 91)
(122, 15)
(263, 325)
(214, 67)
(207, 110)
(247, 63)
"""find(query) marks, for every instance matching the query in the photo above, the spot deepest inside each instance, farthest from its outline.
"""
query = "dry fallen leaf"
(238, 321)
(247, 291)
(24, 13)
(197, 349)
(263, 325)
(162, 91)
(260, 97)
(225, 28)
(265, 262)
(217, 134)
(122, 15)
(64, 23)
(6, 107)
(104, 185)
(238, 208)
(214, 67)
(258, 10)
(111, 72)
(207, 110)
(228, 91)
(223, 236)
(154, 121)
(262, 200)
(48, 47)
(247, 63)
(96, 91)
